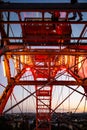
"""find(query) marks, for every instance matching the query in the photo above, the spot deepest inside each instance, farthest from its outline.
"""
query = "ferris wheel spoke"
(64, 100)
(85, 104)
(79, 103)
(76, 90)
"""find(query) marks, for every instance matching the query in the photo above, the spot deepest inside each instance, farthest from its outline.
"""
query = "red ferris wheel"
(48, 54)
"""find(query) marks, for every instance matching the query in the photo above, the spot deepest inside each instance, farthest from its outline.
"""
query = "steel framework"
(45, 48)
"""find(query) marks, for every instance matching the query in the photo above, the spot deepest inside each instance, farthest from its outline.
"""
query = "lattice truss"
(42, 55)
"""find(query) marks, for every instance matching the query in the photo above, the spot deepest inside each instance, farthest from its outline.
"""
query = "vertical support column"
(8, 18)
(43, 107)
(76, 65)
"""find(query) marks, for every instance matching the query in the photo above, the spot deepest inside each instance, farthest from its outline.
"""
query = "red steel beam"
(25, 82)
(4, 98)
(53, 52)
(43, 22)
(39, 37)
(21, 7)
